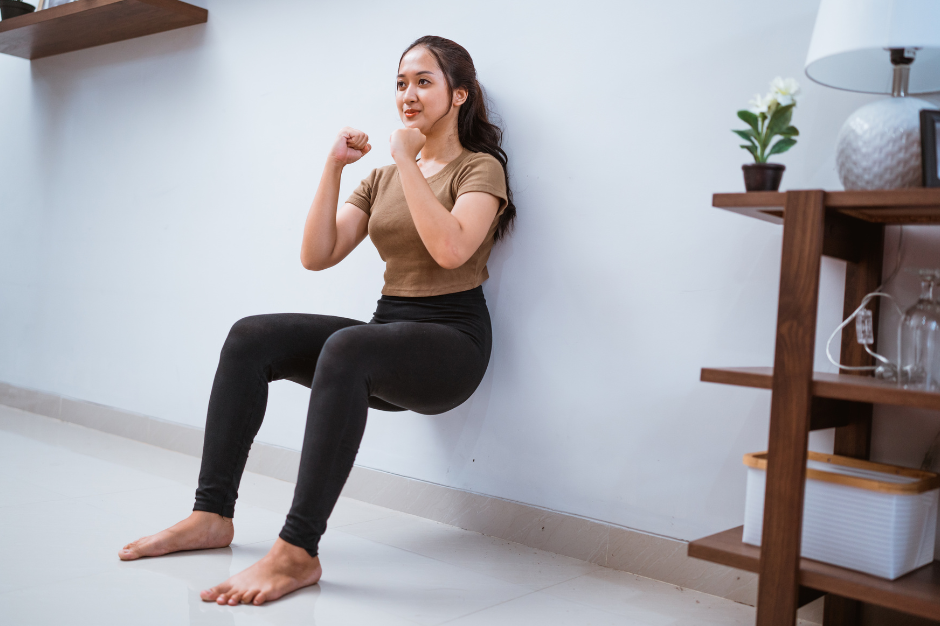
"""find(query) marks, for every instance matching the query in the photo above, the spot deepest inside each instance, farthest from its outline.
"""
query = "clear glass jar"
(919, 339)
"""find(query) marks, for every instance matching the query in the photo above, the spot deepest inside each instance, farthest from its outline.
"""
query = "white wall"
(154, 192)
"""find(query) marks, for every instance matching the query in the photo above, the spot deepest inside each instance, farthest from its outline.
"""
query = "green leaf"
(750, 119)
(746, 135)
(753, 151)
(790, 131)
(779, 120)
(782, 146)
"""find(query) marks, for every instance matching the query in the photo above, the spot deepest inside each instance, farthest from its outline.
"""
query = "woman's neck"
(441, 148)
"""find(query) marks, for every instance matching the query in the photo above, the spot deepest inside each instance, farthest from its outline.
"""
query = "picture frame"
(930, 158)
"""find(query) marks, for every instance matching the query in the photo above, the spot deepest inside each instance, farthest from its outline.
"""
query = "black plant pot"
(762, 176)
(13, 8)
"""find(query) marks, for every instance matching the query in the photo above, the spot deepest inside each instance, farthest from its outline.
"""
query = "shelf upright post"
(862, 276)
(803, 234)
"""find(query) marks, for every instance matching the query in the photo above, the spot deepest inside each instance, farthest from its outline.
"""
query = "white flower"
(762, 104)
(785, 90)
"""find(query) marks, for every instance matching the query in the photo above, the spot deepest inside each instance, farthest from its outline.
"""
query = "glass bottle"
(919, 339)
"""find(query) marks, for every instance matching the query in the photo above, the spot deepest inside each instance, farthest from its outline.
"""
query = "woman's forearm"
(320, 228)
(438, 228)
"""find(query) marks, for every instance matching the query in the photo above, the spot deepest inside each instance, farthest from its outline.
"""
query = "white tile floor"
(71, 496)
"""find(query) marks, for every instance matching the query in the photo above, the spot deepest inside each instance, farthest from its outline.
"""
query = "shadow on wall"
(465, 423)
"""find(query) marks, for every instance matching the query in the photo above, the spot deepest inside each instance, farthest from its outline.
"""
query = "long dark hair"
(474, 129)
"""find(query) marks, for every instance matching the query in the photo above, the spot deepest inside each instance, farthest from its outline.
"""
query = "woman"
(434, 220)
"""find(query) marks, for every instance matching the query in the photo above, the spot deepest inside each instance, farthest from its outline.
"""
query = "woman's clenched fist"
(406, 143)
(350, 146)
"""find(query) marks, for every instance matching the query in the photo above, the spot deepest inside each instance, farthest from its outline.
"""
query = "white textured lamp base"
(879, 145)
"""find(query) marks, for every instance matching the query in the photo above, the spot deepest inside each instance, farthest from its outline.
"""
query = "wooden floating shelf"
(835, 386)
(87, 23)
(917, 593)
(917, 205)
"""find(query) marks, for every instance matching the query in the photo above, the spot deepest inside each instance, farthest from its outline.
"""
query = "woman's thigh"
(425, 367)
(286, 345)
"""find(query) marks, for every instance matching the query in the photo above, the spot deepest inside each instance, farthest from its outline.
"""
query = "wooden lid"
(923, 481)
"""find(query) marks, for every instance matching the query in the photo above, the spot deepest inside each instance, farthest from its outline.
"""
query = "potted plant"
(12, 8)
(768, 117)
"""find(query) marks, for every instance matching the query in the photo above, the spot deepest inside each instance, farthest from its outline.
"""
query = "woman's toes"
(249, 596)
(235, 598)
(129, 552)
(259, 599)
(210, 595)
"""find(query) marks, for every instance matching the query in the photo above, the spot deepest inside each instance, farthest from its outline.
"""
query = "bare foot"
(283, 569)
(199, 531)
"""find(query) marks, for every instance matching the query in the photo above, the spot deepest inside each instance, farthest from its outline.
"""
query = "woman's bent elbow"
(449, 260)
(311, 264)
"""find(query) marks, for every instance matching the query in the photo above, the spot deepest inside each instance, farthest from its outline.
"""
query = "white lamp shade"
(848, 48)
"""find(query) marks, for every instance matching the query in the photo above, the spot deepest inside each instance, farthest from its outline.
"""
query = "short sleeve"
(364, 195)
(482, 172)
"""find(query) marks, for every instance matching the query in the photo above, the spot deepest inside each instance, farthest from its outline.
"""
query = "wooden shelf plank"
(762, 205)
(919, 205)
(87, 23)
(825, 385)
(917, 593)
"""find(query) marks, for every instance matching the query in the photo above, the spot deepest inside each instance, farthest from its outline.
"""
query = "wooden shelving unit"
(915, 593)
(848, 225)
(825, 385)
(87, 23)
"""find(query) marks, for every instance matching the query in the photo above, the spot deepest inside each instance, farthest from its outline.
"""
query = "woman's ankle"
(209, 517)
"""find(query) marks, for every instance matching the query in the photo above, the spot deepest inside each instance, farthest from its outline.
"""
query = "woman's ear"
(460, 96)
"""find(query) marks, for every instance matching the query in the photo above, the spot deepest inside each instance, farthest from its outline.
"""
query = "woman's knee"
(246, 336)
(344, 351)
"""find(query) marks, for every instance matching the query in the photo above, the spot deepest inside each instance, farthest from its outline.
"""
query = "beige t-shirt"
(409, 268)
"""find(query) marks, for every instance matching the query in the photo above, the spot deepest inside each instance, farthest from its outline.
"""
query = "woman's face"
(422, 95)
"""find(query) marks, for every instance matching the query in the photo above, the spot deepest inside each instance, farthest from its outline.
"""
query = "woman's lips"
(411, 113)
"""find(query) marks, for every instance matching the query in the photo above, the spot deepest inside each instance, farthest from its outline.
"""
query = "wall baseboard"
(609, 545)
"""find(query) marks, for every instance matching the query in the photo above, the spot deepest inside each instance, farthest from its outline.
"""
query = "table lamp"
(878, 46)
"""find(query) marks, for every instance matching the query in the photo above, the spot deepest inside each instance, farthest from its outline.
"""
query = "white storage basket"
(873, 518)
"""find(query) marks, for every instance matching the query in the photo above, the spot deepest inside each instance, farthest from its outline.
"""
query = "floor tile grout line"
(424, 556)
(609, 612)
(35, 484)
(580, 602)
(65, 498)
(56, 582)
(486, 608)
(471, 570)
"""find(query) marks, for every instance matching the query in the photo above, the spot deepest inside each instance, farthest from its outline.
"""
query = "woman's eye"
(401, 85)
(424, 81)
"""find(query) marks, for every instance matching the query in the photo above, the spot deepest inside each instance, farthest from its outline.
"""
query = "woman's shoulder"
(480, 171)
(384, 171)
(480, 159)
(474, 165)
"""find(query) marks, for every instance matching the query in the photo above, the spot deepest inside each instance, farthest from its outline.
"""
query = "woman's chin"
(414, 123)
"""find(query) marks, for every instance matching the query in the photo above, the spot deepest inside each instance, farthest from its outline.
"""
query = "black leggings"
(424, 354)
